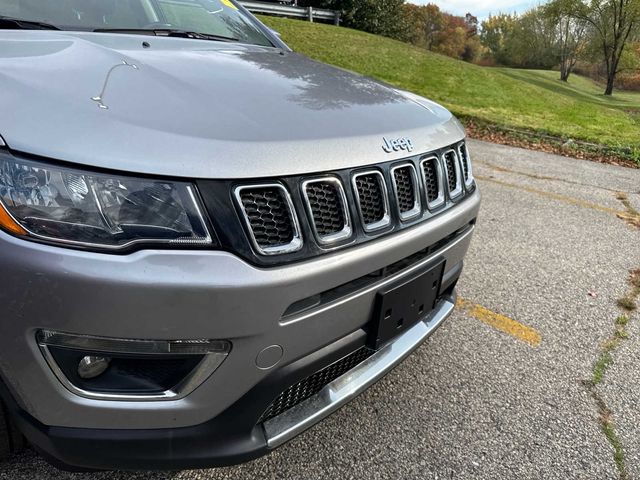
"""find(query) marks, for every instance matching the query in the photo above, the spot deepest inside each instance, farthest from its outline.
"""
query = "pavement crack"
(608, 429)
(535, 176)
(555, 196)
(630, 215)
(603, 363)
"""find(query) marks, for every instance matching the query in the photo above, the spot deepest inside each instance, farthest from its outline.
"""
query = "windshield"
(211, 17)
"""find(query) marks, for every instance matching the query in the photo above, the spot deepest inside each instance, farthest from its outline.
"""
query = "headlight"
(96, 210)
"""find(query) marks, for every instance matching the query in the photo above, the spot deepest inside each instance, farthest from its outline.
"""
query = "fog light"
(130, 369)
(92, 367)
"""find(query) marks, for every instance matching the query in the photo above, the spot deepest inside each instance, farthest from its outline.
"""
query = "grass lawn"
(528, 99)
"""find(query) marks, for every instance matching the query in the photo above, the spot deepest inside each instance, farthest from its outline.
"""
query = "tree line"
(564, 32)
(601, 37)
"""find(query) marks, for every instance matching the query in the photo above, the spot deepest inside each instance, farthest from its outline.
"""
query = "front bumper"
(183, 295)
(222, 441)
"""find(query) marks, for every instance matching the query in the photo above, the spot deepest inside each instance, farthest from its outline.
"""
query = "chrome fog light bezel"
(213, 353)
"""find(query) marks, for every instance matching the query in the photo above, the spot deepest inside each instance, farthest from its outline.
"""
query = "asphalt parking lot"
(515, 384)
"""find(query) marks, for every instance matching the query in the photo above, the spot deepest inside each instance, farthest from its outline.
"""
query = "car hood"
(201, 109)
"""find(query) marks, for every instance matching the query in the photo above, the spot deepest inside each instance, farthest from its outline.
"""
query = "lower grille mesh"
(314, 383)
(268, 216)
(370, 195)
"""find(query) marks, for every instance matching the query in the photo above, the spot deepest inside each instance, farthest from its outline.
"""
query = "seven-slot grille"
(405, 183)
(270, 218)
(327, 204)
(331, 201)
(372, 199)
(314, 383)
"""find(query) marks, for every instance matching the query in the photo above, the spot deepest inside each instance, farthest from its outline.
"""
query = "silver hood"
(199, 109)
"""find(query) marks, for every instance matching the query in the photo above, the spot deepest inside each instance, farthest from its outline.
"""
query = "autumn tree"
(497, 32)
(427, 26)
(452, 38)
(423, 24)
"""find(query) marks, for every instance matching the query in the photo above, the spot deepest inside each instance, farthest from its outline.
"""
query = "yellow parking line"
(555, 196)
(500, 322)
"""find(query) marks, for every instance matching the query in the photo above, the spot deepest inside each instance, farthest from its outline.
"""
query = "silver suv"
(208, 243)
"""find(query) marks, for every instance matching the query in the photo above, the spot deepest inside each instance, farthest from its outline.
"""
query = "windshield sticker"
(227, 3)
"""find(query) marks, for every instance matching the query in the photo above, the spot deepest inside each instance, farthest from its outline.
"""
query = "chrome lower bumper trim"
(342, 390)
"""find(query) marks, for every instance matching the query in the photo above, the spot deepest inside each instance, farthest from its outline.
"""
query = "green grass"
(618, 452)
(524, 99)
(601, 366)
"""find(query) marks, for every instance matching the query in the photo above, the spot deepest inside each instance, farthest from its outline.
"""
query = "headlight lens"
(98, 210)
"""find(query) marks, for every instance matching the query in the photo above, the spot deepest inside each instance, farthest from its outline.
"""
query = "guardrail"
(281, 10)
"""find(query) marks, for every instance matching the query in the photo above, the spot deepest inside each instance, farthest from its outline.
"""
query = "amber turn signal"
(9, 224)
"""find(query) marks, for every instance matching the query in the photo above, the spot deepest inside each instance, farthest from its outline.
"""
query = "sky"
(481, 8)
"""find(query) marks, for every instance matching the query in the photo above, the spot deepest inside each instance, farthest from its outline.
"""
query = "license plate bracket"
(400, 306)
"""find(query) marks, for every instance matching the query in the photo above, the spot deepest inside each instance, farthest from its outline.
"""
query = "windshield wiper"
(10, 22)
(168, 32)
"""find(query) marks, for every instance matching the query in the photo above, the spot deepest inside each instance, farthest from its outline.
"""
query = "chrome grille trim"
(457, 190)
(385, 221)
(440, 179)
(465, 160)
(347, 229)
(378, 207)
(295, 244)
(417, 205)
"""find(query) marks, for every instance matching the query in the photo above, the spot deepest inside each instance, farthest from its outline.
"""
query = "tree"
(382, 17)
(533, 40)
(571, 30)
(614, 22)
(472, 24)
(433, 23)
(520, 41)
(423, 24)
(427, 26)
(452, 39)
(496, 34)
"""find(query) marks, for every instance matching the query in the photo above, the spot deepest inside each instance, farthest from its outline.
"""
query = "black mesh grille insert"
(405, 189)
(326, 208)
(269, 216)
(430, 170)
(465, 162)
(370, 194)
(452, 176)
(314, 383)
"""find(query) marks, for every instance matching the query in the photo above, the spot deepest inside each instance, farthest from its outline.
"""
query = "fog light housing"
(127, 369)
(91, 366)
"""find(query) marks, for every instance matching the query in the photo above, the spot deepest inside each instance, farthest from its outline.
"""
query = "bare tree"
(614, 22)
(571, 30)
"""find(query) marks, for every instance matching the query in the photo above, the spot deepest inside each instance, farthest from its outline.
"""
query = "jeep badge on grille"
(396, 144)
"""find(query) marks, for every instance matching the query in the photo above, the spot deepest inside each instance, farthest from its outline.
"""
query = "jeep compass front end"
(208, 242)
